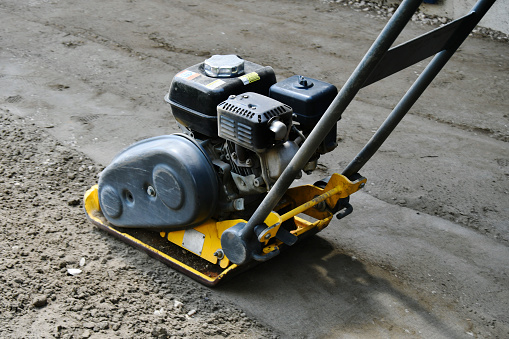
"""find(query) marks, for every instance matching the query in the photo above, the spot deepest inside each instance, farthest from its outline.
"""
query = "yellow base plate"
(202, 257)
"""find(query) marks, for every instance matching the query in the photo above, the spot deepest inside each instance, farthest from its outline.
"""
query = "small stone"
(40, 301)
(74, 271)
(159, 332)
(161, 312)
(88, 325)
(74, 202)
(103, 325)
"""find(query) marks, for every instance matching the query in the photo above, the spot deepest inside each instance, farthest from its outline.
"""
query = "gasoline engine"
(240, 129)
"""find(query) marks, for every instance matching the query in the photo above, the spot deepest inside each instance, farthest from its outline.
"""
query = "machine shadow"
(315, 290)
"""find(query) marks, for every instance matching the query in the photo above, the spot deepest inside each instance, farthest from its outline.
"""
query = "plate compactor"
(216, 198)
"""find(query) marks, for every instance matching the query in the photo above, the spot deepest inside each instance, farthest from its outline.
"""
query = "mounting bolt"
(151, 191)
(267, 236)
(258, 182)
(362, 185)
(249, 162)
(219, 254)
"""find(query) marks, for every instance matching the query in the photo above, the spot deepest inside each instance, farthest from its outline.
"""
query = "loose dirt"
(119, 291)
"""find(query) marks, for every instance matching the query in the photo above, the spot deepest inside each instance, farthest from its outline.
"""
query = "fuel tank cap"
(224, 66)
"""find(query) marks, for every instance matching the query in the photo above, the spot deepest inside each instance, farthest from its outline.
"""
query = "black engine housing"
(194, 96)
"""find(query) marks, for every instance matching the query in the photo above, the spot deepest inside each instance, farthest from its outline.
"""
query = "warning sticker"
(215, 84)
(249, 78)
(189, 75)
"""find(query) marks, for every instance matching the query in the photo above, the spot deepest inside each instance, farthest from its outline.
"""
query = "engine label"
(189, 75)
(215, 84)
(249, 78)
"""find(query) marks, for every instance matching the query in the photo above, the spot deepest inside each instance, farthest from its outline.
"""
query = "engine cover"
(160, 183)
(254, 121)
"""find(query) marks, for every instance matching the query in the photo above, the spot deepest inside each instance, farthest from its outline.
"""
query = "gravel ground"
(381, 9)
